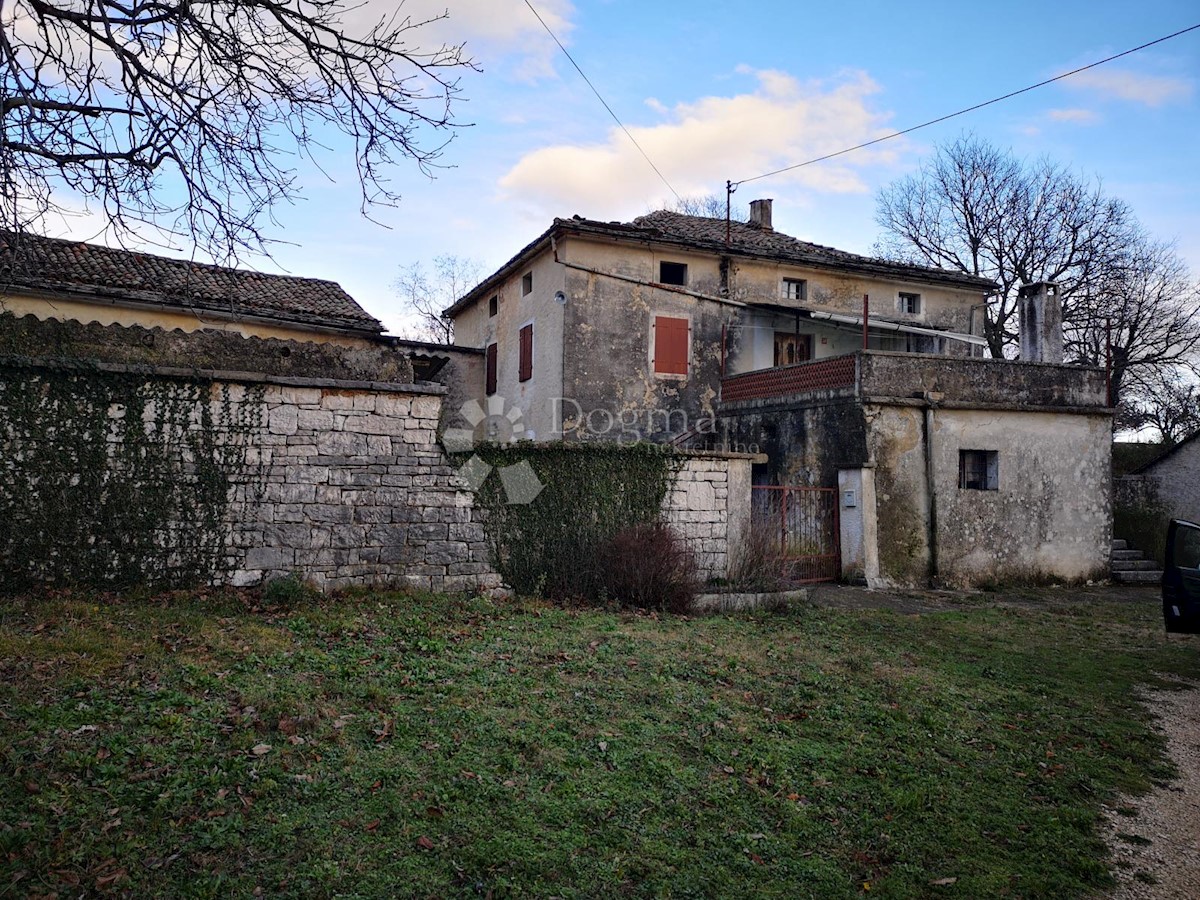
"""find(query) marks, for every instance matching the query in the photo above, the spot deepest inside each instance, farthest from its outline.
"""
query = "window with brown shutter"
(491, 370)
(525, 371)
(670, 345)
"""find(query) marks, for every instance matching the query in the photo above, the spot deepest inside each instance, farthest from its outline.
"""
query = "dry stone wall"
(709, 507)
(354, 490)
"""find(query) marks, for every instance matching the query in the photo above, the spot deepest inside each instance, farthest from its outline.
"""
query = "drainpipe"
(865, 313)
(931, 398)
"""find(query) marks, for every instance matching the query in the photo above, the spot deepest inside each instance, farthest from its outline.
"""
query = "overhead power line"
(632, 139)
(1024, 90)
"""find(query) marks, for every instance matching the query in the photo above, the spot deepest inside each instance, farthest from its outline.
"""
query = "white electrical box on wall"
(849, 500)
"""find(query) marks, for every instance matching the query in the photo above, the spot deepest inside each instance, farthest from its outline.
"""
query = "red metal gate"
(802, 525)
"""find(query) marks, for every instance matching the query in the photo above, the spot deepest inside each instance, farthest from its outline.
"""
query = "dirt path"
(1155, 838)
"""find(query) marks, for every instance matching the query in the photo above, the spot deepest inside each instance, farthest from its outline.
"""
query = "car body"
(1181, 578)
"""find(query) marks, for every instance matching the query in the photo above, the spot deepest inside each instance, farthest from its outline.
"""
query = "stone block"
(338, 400)
(397, 405)
(341, 443)
(365, 401)
(300, 396)
(315, 420)
(283, 420)
(426, 408)
(270, 559)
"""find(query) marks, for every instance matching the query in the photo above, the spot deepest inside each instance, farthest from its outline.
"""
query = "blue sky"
(720, 90)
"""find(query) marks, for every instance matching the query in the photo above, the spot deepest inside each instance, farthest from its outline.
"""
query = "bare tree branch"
(188, 114)
(426, 295)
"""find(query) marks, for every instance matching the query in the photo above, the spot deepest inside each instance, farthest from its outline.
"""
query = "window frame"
(801, 294)
(654, 345)
(527, 283)
(905, 299)
(493, 305)
(978, 470)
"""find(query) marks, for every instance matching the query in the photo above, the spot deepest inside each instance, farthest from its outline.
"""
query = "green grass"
(428, 746)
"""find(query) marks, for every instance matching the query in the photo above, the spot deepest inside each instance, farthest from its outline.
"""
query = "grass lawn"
(391, 745)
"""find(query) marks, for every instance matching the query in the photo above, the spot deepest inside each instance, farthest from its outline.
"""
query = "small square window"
(493, 305)
(795, 289)
(979, 470)
(526, 284)
(672, 273)
(910, 304)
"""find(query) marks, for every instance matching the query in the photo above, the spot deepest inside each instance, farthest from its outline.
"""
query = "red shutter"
(526, 368)
(670, 345)
(491, 370)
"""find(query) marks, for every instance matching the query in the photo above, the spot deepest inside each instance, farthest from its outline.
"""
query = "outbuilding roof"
(52, 265)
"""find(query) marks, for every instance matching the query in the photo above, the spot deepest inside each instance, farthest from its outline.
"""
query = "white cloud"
(492, 29)
(702, 143)
(1124, 84)
(1077, 116)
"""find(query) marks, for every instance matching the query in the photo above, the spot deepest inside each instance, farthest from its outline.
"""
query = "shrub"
(647, 566)
(755, 564)
(288, 591)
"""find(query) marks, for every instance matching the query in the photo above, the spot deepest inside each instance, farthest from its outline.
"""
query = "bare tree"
(426, 295)
(1168, 400)
(710, 206)
(188, 115)
(976, 209)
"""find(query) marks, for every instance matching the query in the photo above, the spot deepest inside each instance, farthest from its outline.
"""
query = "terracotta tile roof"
(90, 270)
(708, 235)
(756, 241)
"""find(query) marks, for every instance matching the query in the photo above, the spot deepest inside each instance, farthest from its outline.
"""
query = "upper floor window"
(910, 303)
(672, 273)
(526, 284)
(525, 368)
(671, 345)
(795, 289)
(493, 305)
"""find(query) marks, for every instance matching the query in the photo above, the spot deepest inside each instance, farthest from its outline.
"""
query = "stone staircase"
(1130, 566)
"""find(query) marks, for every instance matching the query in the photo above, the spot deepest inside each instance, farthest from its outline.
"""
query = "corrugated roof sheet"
(72, 267)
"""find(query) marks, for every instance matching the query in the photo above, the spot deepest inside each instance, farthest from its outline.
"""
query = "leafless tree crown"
(426, 295)
(190, 114)
(974, 208)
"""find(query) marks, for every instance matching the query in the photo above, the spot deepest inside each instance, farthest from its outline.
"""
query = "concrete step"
(1134, 565)
(1120, 545)
(1140, 576)
(1127, 554)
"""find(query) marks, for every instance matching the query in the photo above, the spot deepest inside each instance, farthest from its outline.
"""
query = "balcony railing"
(802, 378)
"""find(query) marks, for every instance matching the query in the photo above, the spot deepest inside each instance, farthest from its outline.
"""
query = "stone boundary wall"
(356, 490)
(709, 508)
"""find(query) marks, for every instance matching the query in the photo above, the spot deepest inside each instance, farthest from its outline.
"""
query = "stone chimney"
(760, 214)
(1040, 331)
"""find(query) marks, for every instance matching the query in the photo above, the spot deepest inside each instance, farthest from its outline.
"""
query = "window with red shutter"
(491, 370)
(670, 345)
(526, 368)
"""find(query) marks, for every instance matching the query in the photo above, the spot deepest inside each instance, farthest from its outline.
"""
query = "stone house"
(842, 371)
(1170, 481)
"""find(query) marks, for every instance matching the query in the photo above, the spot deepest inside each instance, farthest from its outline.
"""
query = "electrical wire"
(887, 137)
(603, 101)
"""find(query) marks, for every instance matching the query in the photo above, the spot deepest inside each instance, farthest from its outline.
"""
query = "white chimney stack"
(1040, 329)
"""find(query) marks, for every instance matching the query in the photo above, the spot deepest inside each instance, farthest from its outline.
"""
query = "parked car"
(1181, 578)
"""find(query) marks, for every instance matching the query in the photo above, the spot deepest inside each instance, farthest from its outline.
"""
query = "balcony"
(878, 375)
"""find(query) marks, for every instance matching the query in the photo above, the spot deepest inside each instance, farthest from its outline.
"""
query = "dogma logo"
(500, 423)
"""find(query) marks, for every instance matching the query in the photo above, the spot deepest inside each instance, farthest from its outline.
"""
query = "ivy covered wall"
(111, 479)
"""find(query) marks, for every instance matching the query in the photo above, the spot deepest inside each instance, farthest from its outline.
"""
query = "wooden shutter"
(491, 370)
(670, 345)
(526, 367)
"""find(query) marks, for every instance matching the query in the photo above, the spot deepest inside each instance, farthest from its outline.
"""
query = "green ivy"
(590, 492)
(118, 479)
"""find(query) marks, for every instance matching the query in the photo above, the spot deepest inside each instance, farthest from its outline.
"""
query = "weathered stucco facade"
(896, 433)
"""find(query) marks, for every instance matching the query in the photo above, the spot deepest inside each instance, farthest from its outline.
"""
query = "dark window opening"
(526, 284)
(979, 470)
(525, 369)
(672, 273)
(910, 304)
(490, 387)
(493, 305)
(792, 348)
